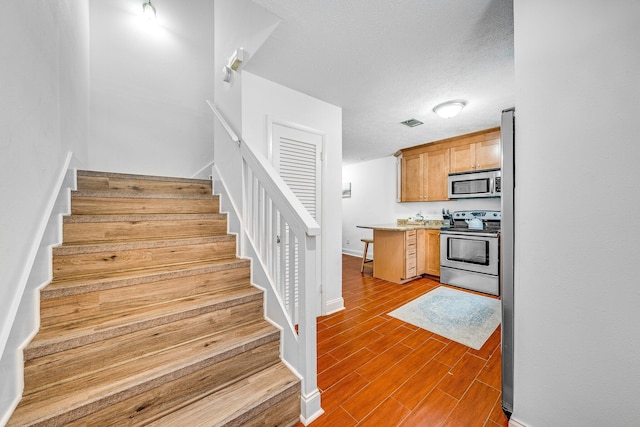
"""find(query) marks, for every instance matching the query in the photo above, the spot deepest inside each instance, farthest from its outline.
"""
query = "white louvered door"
(296, 155)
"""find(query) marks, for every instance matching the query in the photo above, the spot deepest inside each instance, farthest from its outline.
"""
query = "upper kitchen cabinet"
(424, 176)
(480, 155)
(424, 169)
(436, 173)
(412, 187)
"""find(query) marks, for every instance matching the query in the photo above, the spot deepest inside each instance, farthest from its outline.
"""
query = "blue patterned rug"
(463, 317)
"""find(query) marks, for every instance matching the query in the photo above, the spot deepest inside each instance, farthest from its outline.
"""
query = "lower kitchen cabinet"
(395, 255)
(430, 252)
(403, 255)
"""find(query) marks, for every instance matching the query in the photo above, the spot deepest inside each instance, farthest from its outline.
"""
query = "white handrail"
(281, 236)
(290, 205)
(224, 123)
(269, 177)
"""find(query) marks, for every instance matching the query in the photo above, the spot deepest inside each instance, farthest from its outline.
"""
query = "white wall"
(44, 100)
(576, 288)
(148, 87)
(373, 201)
(238, 24)
(261, 99)
(43, 115)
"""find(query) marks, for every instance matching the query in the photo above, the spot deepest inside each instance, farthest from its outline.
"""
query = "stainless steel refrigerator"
(507, 239)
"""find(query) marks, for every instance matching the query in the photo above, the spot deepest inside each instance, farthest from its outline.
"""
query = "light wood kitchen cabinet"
(425, 168)
(401, 255)
(395, 255)
(431, 246)
(424, 176)
(412, 179)
(437, 172)
(475, 156)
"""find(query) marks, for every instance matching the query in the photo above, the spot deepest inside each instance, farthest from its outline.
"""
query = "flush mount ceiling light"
(148, 11)
(450, 108)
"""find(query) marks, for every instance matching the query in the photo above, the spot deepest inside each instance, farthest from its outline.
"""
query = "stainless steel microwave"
(467, 185)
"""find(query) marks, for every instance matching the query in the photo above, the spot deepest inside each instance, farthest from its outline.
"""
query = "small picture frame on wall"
(346, 190)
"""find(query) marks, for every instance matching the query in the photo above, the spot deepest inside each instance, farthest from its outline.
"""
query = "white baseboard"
(23, 313)
(350, 252)
(310, 407)
(515, 423)
(334, 305)
(203, 173)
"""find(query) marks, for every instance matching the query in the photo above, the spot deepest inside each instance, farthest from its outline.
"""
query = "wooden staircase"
(150, 318)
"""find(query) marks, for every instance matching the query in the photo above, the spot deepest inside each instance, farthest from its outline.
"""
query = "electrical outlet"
(348, 242)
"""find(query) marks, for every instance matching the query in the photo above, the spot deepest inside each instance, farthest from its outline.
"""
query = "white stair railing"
(283, 236)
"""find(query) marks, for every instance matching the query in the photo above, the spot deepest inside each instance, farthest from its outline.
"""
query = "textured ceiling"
(387, 61)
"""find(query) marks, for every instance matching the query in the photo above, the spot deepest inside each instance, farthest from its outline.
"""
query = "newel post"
(307, 357)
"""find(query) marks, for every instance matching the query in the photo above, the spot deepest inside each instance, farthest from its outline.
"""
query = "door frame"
(321, 256)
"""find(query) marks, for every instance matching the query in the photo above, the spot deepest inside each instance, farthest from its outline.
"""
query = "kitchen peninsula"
(405, 252)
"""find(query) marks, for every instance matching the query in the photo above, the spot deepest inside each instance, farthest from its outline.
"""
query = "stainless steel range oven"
(469, 251)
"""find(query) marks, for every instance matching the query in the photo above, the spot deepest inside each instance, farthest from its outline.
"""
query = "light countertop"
(394, 227)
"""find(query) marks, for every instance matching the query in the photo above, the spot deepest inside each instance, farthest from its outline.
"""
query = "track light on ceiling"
(149, 11)
(450, 108)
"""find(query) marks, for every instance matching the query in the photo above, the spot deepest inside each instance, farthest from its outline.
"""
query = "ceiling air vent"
(412, 123)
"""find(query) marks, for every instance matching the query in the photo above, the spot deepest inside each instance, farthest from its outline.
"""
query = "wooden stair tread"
(121, 204)
(131, 195)
(72, 219)
(88, 173)
(238, 403)
(92, 247)
(86, 306)
(121, 228)
(106, 387)
(55, 338)
(155, 403)
(141, 184)
(81, 260)
(114, 279)
(84, 360)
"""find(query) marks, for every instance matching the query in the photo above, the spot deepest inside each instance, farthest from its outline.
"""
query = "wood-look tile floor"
(374, 370)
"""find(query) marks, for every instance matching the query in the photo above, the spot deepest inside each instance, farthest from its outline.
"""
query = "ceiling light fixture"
(450, 108)
(149, 11)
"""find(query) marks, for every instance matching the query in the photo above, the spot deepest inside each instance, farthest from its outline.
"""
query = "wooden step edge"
(212, 391)
(207, 410)
(92, 283)
(136, 270)
(137, 239)
(220, 344)
(292, 387)
(222, 327)
(142, 177)
(133, 195)
(99, 396)
(76, 219)
(67, 249)
(39, 347)
(237, 292)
